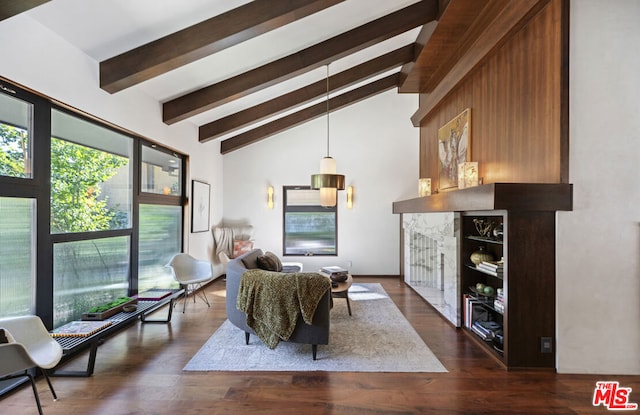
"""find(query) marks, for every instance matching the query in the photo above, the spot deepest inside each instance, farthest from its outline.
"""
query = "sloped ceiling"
(245, 70)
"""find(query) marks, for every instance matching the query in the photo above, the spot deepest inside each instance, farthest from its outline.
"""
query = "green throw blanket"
(273, 301)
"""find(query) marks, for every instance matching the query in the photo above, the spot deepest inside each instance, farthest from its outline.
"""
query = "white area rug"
(376, 338)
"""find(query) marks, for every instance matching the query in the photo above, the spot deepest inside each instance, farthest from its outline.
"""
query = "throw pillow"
(5, 336)
(267, 263)
(275, 259)
(241, 247)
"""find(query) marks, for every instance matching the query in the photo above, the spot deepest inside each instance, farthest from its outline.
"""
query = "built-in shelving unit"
(524, 319)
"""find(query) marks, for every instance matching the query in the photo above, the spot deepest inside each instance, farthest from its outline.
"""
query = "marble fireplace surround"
(430, 260)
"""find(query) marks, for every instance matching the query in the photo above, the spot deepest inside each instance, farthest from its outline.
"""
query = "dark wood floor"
(139, 371)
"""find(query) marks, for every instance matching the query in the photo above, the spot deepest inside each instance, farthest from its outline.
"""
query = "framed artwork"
(200, 194)
(454, 147)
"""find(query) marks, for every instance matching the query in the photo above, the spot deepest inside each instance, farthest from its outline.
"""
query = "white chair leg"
(194, 292)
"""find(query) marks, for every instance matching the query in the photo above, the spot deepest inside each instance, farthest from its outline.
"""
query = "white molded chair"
(33, 348)
(191, 273)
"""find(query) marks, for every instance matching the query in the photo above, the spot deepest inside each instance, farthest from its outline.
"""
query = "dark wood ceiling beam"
(203, 39)
(12, 7)
(306, 94)
(302, 61)
(458, 28)
(512, 18)
(421, 41)
(307, 114)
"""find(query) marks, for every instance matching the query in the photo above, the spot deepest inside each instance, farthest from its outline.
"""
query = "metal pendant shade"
(327, 181)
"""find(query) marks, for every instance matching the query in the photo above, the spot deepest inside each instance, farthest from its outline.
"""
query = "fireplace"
(430, 260)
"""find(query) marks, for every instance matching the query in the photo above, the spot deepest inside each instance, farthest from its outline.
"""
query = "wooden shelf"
(494, 196)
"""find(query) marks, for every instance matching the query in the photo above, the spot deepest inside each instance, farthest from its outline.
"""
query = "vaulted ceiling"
(244, 70)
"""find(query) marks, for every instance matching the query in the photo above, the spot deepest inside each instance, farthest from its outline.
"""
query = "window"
(161, 215)
(15, 132)
(88, 212)
(309, 229)
(88, 273)
(17, 253)
(161, 172)
(160, 236)
(90, 176)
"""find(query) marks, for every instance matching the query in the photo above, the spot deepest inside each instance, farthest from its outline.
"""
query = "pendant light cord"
(328, 111)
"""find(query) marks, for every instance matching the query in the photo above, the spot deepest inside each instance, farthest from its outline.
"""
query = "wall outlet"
(546, 345)
(349, 264)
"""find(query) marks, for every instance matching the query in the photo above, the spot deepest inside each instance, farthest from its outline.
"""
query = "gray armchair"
(314, 334)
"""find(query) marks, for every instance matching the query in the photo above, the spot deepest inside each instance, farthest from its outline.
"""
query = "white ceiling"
(106, 28)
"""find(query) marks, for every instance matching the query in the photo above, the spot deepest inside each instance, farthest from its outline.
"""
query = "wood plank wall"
(518, 99)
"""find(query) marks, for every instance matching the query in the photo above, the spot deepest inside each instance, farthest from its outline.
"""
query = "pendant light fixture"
(327, 181)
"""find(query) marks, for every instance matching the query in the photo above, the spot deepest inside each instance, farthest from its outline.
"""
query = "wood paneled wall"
(519, 106)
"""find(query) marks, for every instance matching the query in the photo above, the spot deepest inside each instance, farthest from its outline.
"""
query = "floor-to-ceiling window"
(87, 212)
(17, 207)
(91, 209)
(160, 216)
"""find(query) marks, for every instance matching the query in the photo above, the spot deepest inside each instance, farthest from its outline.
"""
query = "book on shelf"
(80, 328)
(496, 272)
(474, 311)
(480, 333)
(486, 329)
(493, 264)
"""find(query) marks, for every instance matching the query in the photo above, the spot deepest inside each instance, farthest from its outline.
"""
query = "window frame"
(312, 208)
(38, 187)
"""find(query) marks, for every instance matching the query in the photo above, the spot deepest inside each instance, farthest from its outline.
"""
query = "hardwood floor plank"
(139, 371)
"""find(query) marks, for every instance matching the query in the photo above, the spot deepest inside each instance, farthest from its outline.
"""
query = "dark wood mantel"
(494, 196)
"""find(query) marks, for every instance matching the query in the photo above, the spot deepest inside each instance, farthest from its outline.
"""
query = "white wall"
(598, 275)
(37, 58)
(375, 147)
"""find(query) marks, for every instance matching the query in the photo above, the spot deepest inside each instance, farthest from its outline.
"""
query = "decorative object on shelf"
(481, 255)
(270, 197)
(483, 291)
(467, 174)
(483, 227)
(129, 308)
(200, 193)
(327, 181)
(105, 311)
(350, 197)
(454, 147)
(424, 187)
(498, 232)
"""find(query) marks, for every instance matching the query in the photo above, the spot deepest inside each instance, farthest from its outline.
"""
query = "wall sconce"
(349, 197)
(270, 197)
(467, 174)
(424, 187)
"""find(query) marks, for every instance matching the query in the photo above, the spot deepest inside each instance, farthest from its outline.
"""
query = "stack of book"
(498, 302)
(80, 328)
(335, 273)
(473, 310)
(486, 329)
(495, 268)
